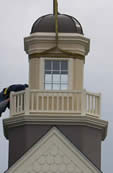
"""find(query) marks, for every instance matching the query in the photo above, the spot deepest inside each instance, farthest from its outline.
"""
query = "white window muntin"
(70, 70)
(56, 74)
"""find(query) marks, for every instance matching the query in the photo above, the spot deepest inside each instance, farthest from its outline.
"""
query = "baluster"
(77, 102)
(21, 96)
(94, 97)
(56, 102)
(15, 104)
(63, 101)
(68, 103)
(32, 101)
(47, 102)
(92, 103)
(42, 102)
(89, 107)
(37, 102)
(96, 105)
(73, 95)
(17, 99)
(23, 102)
(52, 102)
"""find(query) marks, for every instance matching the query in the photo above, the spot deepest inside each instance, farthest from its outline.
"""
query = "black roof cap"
(66, 24)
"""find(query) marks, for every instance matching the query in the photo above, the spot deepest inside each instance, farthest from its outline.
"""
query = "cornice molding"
(39, 42)
(56, 120)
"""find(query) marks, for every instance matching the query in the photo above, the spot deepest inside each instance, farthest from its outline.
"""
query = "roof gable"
(53, 153)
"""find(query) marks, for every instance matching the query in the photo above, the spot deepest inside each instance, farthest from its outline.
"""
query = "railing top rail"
(57, 91)
(94, 94)
(17, 93)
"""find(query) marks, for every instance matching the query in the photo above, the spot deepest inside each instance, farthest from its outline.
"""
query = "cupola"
(57, 49)
(55, 113)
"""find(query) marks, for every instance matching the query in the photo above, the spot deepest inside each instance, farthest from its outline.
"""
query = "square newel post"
(11, 104)
(99, 105)
(27, 101)
(84, 103)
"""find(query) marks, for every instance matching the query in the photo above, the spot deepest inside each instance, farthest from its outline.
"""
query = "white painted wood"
(27, 100)
(71, 42)
(67, 101)
(12, 106)
(84, 102)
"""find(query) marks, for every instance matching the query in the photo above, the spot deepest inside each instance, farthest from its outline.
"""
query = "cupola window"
(56, 75)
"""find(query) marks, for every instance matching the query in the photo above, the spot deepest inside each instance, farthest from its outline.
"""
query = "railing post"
(27, 101)
(11, 104)
(83, 103)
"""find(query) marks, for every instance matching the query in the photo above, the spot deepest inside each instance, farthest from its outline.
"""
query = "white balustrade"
(93, 103)
(52, 102)
(17, 103)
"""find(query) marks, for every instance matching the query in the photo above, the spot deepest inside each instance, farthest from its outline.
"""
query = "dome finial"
(55, 7)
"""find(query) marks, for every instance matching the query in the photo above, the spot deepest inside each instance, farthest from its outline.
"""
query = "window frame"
(42, 71)
(55, 73)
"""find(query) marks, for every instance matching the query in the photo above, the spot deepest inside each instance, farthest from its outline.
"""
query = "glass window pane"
(48, 78)
(64, 78)
(56, 72)
(64, 65)
(48, 86)
(47, 72)
(56, 86)
(64, 72)
(56, 65)
(64, 86)
(48, 64)
(56, 78)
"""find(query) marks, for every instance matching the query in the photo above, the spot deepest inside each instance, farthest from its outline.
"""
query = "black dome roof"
(66, 24)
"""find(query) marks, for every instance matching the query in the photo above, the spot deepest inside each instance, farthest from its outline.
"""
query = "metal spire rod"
(55, 6)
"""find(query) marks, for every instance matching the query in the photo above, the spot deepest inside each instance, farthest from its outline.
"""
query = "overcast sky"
(96, 17)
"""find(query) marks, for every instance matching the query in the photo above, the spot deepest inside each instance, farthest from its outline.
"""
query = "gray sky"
(96, 17)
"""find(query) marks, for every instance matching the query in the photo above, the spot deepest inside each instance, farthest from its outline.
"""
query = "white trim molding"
(56, 120)
(71, 42)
